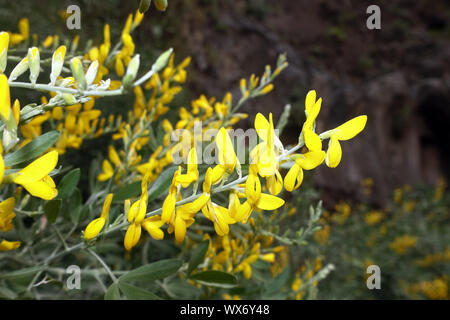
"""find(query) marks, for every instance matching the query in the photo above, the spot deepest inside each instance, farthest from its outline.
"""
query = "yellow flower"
(168, 207)
(95, 226)
(344, 132)
(136, 216)
(255, 199)
(192, 171)
(265, 154)
(7, 214)
(153, 226)
(9, 245)
(5, 100)
(4, 43)
(226, 156)
(24, 27)
(402, 243)
(35, 179)
(373, 217)
(307, 161)
(47, 42)
(312, 109)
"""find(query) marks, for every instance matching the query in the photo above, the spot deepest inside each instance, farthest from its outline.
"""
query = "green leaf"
(22, 273)
(85, 212)
(74, 204)
(276, 284)
(215, 278)
(198, 255)
(153, 271)
(113, 292)
(161, 184)
(129, 191)
(32, 149)
(51, 209)
(68, 184)
(136, 293)
(6, 293)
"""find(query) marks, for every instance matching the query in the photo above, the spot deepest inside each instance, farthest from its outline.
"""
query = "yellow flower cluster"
(34, 177)
(432, 259)
(402, 243)
(265, 158)
(436, 289)
(236, 255)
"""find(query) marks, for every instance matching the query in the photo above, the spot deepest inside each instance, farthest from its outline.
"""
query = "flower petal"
(269, 202)
(334, 153)
(38, 169)
(351, 128)
(312, 140)
(94, 228)
(311, 159)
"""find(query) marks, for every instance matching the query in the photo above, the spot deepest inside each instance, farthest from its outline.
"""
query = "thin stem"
(50, 88)
(108, 270)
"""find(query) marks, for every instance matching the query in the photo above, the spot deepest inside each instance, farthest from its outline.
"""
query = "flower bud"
(57, 63)
(132, 71)
(77, 70)
(162, 60)
(91, 73)
(161, 5)
(9, 138)
(4, 42)
(21, 67)
(69, 99)
(144, 5)
(34, 61)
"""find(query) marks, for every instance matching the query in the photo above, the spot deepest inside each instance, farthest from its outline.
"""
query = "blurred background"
(399, 76)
